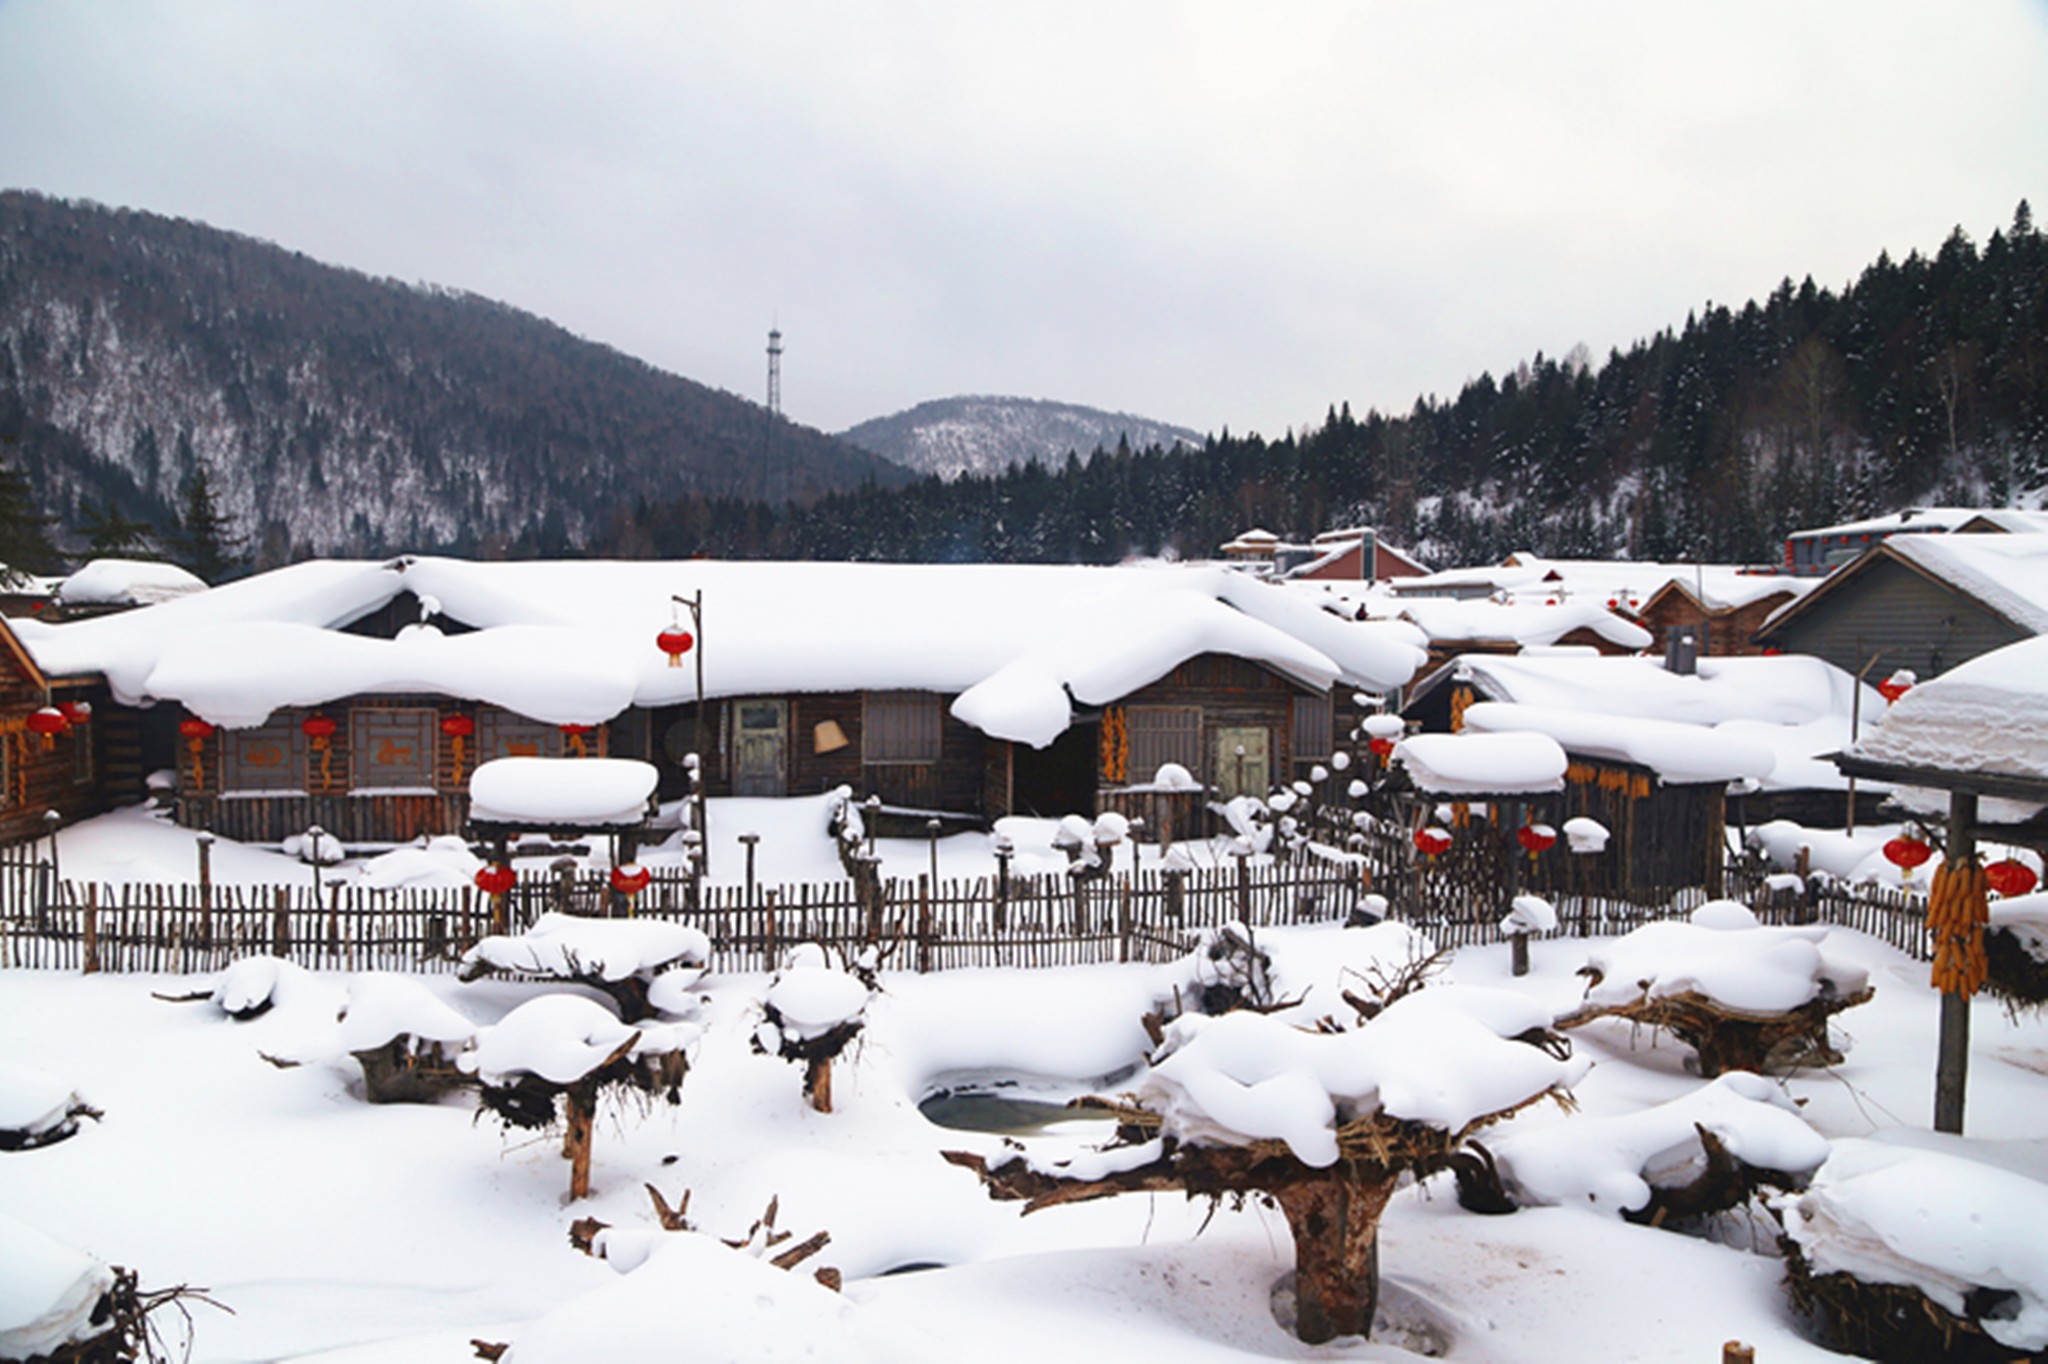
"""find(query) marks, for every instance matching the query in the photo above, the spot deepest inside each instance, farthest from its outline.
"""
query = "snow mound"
(571, 948)
(47, 1292)
(1937, 1221)
(562, 1038)
(1744, 970)
(1611, 1164)
(32, 1103)
(1483, 764)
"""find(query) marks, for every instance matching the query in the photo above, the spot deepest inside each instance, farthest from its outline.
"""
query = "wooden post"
(582, 1105)
(768, 926)
(924, 923)
(92, 929)
(281, 924)
(1518, 953)
(1952, 1050)
(1735, 1352)
(1123, 921)
(818, 1083)
(1244, 886)
(1335, 1221)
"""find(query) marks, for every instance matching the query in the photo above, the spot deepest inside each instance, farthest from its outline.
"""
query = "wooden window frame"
(494, 722)
(362, 722)
(1317, 740)
(901, 727)
(1154, 742)
(239, 778)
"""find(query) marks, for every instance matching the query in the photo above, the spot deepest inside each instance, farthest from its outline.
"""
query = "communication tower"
(774, 372)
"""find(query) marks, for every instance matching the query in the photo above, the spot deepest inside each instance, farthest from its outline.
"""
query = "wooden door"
(760, 748)
(1243, 760)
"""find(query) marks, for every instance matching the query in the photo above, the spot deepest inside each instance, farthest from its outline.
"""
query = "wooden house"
(1920, 602)
(1721, 622)
(358, 697)
(84, 767)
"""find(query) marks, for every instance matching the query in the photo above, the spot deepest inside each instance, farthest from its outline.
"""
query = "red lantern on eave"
(457, 726)
(1429, 842)
(496, 878)
(48, 722)
(1535, 837)
(318, 728)
(1906, 853)
(1891, 690)
(77, 712)
(194, 728)
(2011, 877)
(675, 642)
(1382, 747)
(631, 878)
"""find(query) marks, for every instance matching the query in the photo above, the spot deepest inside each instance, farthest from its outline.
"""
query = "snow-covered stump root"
(1335, 1222)
(818, 1083)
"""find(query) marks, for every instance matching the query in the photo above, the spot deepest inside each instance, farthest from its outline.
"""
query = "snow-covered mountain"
(983, 435)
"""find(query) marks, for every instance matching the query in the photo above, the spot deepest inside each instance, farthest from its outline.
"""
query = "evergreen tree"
(205, 541)
(25, 546)
(110, 534)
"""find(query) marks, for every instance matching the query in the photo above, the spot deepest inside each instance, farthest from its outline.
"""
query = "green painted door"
(760, 748)
(1243, 760)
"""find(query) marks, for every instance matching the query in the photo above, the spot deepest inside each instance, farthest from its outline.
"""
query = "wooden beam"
(1952, 1050)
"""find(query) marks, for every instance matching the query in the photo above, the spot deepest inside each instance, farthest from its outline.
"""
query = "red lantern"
(196, 732)
(631, 878)
(496, 878)
(48, 722)
(1895, 686)
(1535, 837)
(318, 728)
(574, 734)
(2011, 877)
(77, 712)
(195, 729)
(675, 642)
(457, 726)
(1382, 747)
(1906, 853)
(1431, 841)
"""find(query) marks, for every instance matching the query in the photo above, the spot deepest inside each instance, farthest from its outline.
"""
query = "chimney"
(1682, 650)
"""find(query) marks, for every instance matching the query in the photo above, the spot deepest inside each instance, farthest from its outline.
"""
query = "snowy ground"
(348, 1232)
(360, 1234)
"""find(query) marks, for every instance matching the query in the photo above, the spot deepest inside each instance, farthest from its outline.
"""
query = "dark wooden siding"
(1231, 693)
(60, 774)
(1889, 609)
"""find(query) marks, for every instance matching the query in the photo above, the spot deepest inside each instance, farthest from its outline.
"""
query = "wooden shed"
(65, 771)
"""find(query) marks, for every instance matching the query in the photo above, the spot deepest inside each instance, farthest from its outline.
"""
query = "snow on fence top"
(573, 642)
(1988, 715)
(1483, 764)
(557, 792)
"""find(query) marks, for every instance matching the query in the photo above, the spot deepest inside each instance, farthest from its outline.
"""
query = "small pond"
(1015, 1105)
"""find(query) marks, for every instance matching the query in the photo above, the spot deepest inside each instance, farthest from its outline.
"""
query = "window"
(501, 734)
(81, 755)
(392, 750)
(900, 727)
(1163, 734)
(265, 758)
(1312, 738)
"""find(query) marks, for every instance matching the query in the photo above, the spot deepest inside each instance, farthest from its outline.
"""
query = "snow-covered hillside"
(954, 436)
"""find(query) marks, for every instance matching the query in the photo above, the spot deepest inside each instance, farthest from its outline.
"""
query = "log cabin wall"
(390, 771)
(1661, 834)
(1227, 693)
(1721, 633)
(37, 775)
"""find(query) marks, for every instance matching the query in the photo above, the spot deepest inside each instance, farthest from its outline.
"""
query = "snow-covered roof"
(2008, 573)
(1627, 583)
(1722, 589)
(127, 582)
(2011, 520)
(1911, 519)
(1482, 764)
(587, 792)
(573, 642)
(1770, 717)
(1987, 715)
(1527, 624)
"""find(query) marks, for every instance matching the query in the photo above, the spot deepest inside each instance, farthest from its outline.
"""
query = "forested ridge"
(334, 413)
(1924, 380)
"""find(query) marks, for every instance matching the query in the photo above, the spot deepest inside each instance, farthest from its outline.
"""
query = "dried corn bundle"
(1957, 911)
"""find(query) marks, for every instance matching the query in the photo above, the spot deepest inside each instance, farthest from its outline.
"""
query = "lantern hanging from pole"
(1536, 838)
(1897, 685)
(76, 712)
(1431, 841)
(675, 642)
(630, 878)
(496, 878)
(48, 722)
(2011, 877)
(196, 732)
(319, 729)
(1906, 853)
(575, 735)
(458, 728)
(1381, 746)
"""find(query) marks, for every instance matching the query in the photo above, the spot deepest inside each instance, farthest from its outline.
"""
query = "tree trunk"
(818, 1083)
(1335, 1218)
(582, 1106)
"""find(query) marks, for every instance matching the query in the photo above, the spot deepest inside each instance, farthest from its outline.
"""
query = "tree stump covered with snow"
(646, 966)
(1743, 996)
(1324, 1123)
(814, 1012)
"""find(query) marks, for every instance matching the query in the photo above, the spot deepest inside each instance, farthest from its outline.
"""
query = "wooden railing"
(913, 923)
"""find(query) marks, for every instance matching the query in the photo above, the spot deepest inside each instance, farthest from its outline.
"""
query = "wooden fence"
(913, 923)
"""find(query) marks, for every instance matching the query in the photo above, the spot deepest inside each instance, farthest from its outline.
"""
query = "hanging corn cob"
(1957, 911)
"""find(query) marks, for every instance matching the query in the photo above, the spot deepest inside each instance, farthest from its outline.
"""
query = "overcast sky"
(1217, 214)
